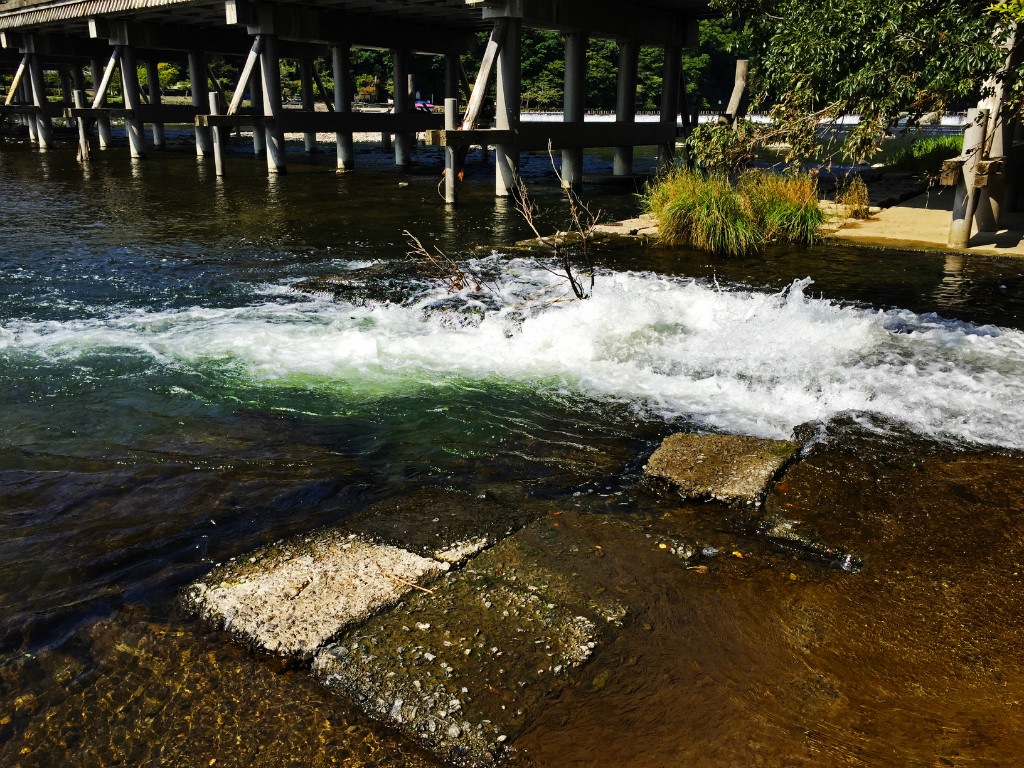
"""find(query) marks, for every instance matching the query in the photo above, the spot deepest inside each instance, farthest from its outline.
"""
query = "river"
(170, 400)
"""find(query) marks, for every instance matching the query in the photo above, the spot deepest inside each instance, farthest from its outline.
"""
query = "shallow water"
(171, 401)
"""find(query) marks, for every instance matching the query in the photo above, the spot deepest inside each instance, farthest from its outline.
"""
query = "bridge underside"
(87, 41)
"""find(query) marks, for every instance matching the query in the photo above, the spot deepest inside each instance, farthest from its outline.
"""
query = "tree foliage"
(819, 59)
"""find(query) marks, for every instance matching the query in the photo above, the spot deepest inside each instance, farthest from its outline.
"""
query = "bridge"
(89, 40)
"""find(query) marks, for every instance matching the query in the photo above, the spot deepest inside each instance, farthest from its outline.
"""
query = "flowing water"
(170, 400)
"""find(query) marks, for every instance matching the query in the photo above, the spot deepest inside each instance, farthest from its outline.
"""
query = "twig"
(403, 581)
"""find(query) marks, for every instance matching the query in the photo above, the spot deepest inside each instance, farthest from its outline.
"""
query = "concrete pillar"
(78, 84)
(44, 128)
(102, 123)
(670, 75)
(259, 136)
(403, 105)
(132, 100)
(83, 136)
(625, 104)
(343, 105)
(308, 103)
(200, 99)
(155, 99)
(270, 68)
(509, 98)
(574, 105)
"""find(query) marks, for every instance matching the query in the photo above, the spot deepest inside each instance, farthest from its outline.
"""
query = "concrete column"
(625, 104)
(270, 68)
(670, 76)
(217, 136)
(343, 105)
(44, 128)
(132, 100)
(102, 123)
(506, 156)
(308, 103)
(403, 106)
(574, 105)
(200, 99)
(78, 84)
(153, 86)
(83, 136)
(259, 136)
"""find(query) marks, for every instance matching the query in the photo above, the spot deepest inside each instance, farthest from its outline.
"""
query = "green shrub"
(709, 212)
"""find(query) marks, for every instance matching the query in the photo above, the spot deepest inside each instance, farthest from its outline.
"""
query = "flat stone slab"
(728, 468)
(459, 669)
(290, 598)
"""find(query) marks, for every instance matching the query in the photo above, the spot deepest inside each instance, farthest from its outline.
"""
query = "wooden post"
(155, 98)
(132, 101)
(102, 123)
(29, 120)
(403, 105)
(452, 75)
(218, 138)
(83, 128)
(343, 105)
(507, 106)
(270, 67)
(44, 128)
(625, 104)
(574, 105)
(67, 98)
(308, 103)
(200, 99)
(966, 199)
(670, 103)
(451, 157)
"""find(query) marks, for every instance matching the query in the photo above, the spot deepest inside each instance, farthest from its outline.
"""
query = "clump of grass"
(786, 206)
(709, 212)
(855, 197)
(925, 156)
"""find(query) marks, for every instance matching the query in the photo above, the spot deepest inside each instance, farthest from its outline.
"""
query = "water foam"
(737, 360)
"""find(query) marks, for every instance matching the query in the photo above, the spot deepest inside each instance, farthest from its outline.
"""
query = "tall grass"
(709, 212)
(925, 156)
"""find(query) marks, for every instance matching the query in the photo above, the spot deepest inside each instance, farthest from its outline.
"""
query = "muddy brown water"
(126, 475)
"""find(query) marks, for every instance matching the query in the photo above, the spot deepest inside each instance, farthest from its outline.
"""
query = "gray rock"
(727, 468)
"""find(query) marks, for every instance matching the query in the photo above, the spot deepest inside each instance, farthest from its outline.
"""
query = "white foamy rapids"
(742, 361)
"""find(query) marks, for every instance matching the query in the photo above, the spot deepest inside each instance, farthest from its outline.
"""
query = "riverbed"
(172, 400)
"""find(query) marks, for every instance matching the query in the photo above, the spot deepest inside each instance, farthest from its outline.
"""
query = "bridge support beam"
(155, 98)
(308, 102)
(670, 80)
(343, 105)
(403, 105)
(200, 99)
(509, 97)
(102, 123)
(625, 104)
(259, 135)
(132, 93)
(44, 128)
(574, 104)
(270, 70)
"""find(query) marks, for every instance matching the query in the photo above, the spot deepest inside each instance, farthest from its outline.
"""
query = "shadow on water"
(126, 474)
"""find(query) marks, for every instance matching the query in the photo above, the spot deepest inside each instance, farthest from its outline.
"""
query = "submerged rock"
(289, 599)
(727, 468)
(788, 534)
(461, 668)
